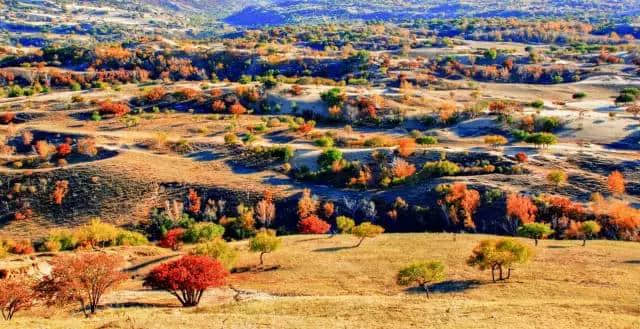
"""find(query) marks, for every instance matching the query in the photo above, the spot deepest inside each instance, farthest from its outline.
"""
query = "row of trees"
(498, 255)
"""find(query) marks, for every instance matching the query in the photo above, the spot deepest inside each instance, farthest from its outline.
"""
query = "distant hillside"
(296, 11)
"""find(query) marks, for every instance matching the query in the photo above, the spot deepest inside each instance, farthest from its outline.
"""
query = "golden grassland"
(326, 283)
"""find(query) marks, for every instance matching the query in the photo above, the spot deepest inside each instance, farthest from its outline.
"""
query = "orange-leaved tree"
(459, 204)
(313, 225)
(16, 294)
(615, 183)
(520, 210)
(81, 278)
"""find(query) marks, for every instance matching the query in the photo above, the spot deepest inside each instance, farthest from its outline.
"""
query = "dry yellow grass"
(322, 285)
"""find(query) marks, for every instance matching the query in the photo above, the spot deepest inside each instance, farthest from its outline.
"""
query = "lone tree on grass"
(82, 278)
(264, 242)
(366, 230)
(498, 254)
(535, 231)
(187, 278)
(588, 230)
(422, 273)
(16, 294)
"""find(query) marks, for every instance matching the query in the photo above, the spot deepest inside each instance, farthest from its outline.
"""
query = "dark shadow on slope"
(444, 287)
(333, 249)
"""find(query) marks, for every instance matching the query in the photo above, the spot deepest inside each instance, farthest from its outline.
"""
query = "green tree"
(333, 97)
(535, 231)
(423, 273)
(497, 254)
(544, 139)
(328, 157)
(366, 230)
(217, 249)
(557, 177)
(264, 242)
(491, 54)
(345, 224)
(589, 229)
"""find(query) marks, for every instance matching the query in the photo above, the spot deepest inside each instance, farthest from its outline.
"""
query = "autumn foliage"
(266, 209)
(114, 108)
(7, 117)
(194, 202)
(16, 294)
(63, 150)
(156, 94)
(218, 106)
(237, 109)
(402, 169)
(173, 239)
(521, 207)
(81, 278)
(521, 157)
(60, 191)
(188, 278)
(615, 183)
(313, 225)
(461, 203)
(406, 147)
(307, 205)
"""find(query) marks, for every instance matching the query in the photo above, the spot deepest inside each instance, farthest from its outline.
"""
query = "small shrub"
(426, 140)
(521, 157)
(130, 238)
(537, 104)
(557, 177)
(328, 157)
(579, 95)
(440, 168)
(324, 141)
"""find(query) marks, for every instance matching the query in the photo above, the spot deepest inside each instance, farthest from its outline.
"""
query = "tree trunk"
(493, 273)
(360, 242)
(261, 258)
(500, 272)
(508, 273)
(84, 309)
(584, 241)
(535, 242)
(425, 286)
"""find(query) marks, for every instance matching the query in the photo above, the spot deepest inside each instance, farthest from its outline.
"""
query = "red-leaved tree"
(313, 225)
(173, 239)
(520, 210)
(16, 294)
(81, 278)
(187, 278)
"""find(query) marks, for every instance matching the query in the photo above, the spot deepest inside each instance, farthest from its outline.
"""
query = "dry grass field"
(325, 282)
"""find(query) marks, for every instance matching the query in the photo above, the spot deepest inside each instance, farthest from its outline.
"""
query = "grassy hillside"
(324, 282)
